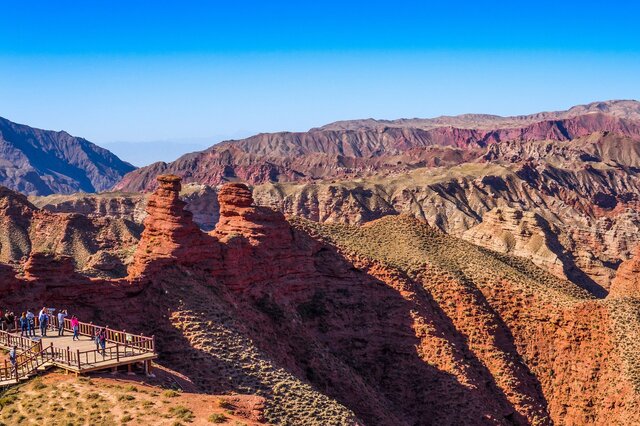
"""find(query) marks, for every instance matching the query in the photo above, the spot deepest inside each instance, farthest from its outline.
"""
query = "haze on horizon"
(124, 73)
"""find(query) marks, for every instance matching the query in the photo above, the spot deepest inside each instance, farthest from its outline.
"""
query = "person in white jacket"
(43, 317)
(61, 316)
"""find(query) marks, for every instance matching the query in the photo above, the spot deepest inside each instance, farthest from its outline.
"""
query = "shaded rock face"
(49, 267)
(170, 235)
(41, 162)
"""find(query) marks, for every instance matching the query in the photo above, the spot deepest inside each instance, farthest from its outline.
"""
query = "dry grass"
(409, 245)
(64, 400)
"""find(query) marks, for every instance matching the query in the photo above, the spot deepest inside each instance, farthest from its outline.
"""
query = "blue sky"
(203, 71)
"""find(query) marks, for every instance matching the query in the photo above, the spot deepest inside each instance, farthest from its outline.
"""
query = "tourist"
(96, 338)
(9, 319)
(43, 317)
(75, 326)
(24, 322)
(13, 358)
(102, 337)
(31, 325)
(61, 316)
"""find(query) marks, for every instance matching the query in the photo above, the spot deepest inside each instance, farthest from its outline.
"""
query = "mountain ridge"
(357, 152)
(42, 162)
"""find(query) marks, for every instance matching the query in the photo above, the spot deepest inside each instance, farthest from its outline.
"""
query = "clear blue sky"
(155, 70)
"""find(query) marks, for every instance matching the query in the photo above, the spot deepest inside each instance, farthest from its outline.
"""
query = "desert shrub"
(37, 384)
(126, 398)
(181, 412)
(217, 418)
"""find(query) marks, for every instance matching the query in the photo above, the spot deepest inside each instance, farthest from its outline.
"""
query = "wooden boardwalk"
(38, 353)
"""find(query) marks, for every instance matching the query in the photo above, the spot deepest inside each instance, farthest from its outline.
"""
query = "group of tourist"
(26, 324)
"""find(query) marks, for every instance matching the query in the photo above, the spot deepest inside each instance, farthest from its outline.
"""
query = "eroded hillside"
(390, 323)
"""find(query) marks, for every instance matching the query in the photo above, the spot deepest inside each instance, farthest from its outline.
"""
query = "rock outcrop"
(170, 235)
(526, 234)
(26, 229)
(50, 267)
(627, 280)
(240, 217)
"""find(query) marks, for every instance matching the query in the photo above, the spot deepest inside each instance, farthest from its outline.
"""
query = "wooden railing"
(32, 354)
(26, 364)
(139, 341)
(9, 340)
(84, 359)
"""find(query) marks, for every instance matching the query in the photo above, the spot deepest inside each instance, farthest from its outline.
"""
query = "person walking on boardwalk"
(43, 317)
(13, 358)
(75, 326)
(24, 324)
(61, 316)
(96, 339)
(31, 324)
(103, 340)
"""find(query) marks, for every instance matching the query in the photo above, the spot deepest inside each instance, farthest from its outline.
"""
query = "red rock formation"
(170, 235)
(246, 230)
(239, 216)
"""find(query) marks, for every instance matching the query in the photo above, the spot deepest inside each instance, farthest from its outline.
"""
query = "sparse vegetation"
(99, 402)
(217, 418)
(181, 412)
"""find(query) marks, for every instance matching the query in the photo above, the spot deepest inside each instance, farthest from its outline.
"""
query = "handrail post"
(68, 355)
(78, 354)
(153, 343)
(117, 352)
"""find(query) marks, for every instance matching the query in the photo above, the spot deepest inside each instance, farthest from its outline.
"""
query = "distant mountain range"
(42, 162)
(360, 148)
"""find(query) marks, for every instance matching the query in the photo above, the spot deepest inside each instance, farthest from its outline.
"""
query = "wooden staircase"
(29, 363)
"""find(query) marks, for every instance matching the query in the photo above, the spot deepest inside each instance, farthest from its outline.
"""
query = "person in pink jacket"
(75, 326)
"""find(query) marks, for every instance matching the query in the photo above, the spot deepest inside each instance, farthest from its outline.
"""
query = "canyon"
(458, 270)
(390, 323)
(576, 171)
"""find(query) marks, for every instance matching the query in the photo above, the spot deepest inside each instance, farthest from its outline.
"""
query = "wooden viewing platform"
(38, 353)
